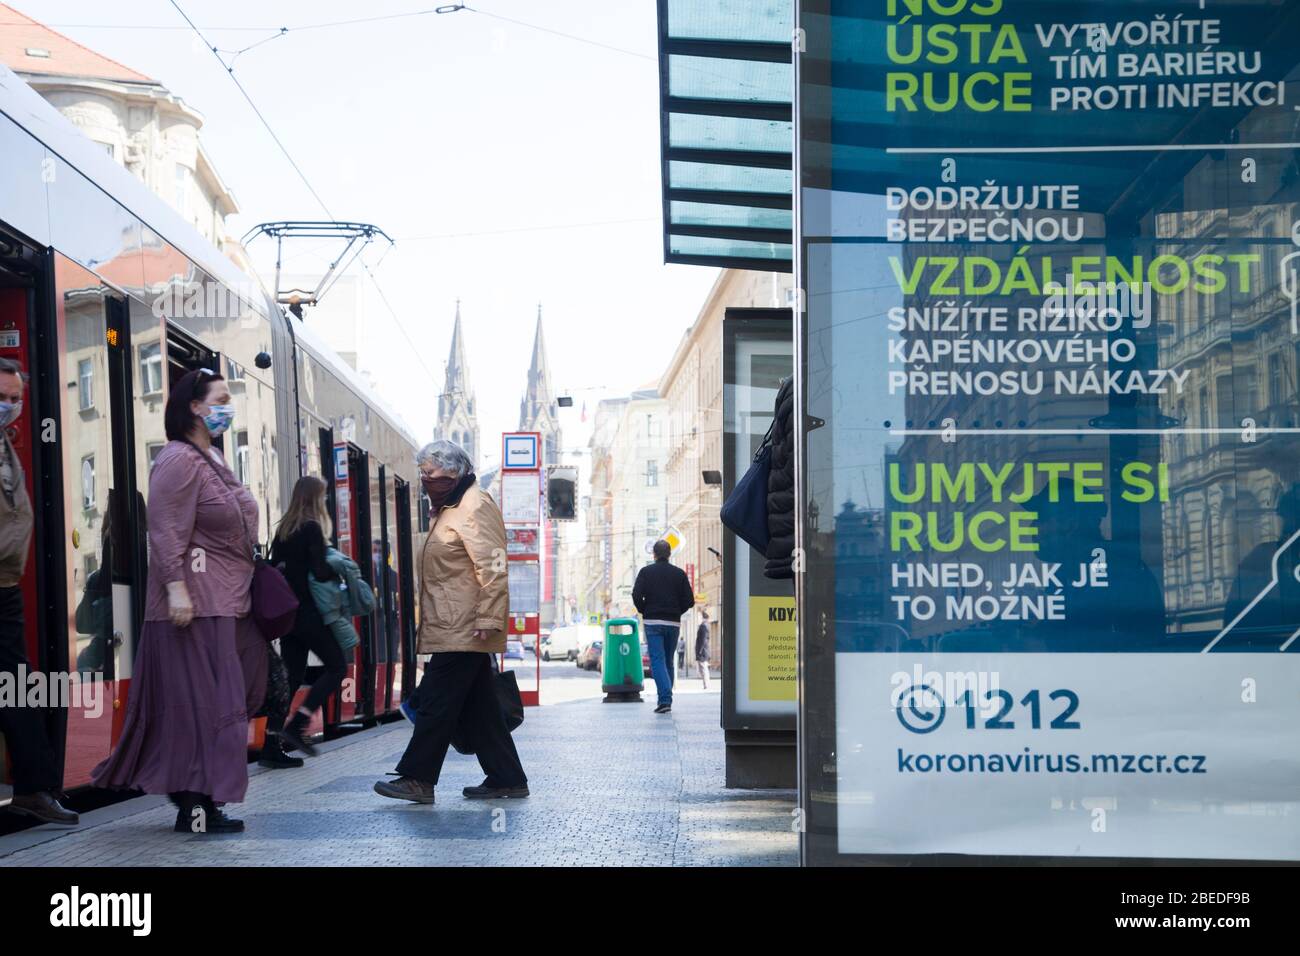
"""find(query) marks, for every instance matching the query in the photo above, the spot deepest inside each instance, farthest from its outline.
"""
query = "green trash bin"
(621, 676)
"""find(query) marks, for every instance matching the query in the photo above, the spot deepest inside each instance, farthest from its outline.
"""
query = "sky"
(513, 164)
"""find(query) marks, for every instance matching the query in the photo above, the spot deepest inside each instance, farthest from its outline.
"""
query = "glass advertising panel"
(760, 618)
(1052, 521)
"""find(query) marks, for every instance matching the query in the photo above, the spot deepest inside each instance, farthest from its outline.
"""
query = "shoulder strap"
(248, 538)
(767, 439)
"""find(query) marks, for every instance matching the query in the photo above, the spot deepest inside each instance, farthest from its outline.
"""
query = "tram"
(107, 296)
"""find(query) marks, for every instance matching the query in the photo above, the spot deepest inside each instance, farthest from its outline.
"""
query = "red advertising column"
(521, 508)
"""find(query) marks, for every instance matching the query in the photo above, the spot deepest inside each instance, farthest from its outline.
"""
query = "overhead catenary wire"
(302, 176)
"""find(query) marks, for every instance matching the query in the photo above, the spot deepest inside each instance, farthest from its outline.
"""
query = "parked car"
(589, 656)
(565, 643)
(514, 649)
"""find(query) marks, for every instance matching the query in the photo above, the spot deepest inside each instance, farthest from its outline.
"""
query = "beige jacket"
(15, 522)
(463, 579)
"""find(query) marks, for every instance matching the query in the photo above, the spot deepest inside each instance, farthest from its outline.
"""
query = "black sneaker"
(484, 792)
(404, 788)
(199, 819)
(293, 739)
(664, 709)
(273, 758)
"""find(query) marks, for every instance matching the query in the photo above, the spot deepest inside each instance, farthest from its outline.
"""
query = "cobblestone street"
(611, 785)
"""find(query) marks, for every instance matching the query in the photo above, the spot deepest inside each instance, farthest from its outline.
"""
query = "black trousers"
(34, 764)
(293, 650)
(460, 683)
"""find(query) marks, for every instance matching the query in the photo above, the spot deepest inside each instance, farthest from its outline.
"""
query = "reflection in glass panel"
(168, 275)
(765, 21)
(23, 187)
(93, 230)
(695, 131)
(757, 81)
(87, 465)
(706, 246)
(683, 174)
(717, 214)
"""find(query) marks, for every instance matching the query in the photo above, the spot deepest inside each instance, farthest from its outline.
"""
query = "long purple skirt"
(186, 727)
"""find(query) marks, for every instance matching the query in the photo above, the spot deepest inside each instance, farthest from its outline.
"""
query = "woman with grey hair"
(463, 606)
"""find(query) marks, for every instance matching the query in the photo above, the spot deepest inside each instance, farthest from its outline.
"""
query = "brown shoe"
(404, 788)
(44, 807)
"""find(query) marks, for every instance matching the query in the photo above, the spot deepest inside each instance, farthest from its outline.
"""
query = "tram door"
(355, 700)
(400, 536)
(387, 590)
(83, 587)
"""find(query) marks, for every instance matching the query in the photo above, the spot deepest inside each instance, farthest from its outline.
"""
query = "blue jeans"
(661, 641)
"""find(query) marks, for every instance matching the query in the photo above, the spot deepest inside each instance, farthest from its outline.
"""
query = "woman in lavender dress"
(186, 725)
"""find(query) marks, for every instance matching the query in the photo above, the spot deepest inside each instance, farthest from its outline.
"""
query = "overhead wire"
(230, 71)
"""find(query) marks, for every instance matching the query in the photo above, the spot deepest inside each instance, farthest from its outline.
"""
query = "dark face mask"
(438, 489)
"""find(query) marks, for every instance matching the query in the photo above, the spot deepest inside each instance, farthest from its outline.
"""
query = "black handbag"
(278, 692)
(512, 707)
(745, 510)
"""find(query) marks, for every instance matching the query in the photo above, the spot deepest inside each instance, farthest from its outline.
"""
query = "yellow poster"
(772, 664)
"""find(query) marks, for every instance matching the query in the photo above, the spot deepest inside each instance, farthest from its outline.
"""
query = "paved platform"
(612, 784)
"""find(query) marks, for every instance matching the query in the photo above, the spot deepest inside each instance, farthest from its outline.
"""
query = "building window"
(1276, 385)
(152, 449)
(1223, 400)
(234, 371)
(86, 384)
(652, 426)
(652, 520)
(1203, 417)
(181, 190)
(151, 369)
(243, 457)
(88, 482)
(652, 474)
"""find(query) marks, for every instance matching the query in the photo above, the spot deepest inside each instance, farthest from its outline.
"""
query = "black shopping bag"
(512, 707)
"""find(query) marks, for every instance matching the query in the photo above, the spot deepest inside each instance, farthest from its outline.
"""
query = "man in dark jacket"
(662, 594)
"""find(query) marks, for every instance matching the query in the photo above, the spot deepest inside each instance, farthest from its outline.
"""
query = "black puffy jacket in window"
(780, 486)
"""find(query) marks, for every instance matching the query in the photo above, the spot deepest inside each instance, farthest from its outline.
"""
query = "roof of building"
(33, 48)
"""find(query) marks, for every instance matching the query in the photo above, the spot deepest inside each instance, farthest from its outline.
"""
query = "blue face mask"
(219, 419)
(9, 412)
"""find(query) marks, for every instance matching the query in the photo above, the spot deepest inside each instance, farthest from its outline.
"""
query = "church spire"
(457, 418)
(457, 380)
(537, 397)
